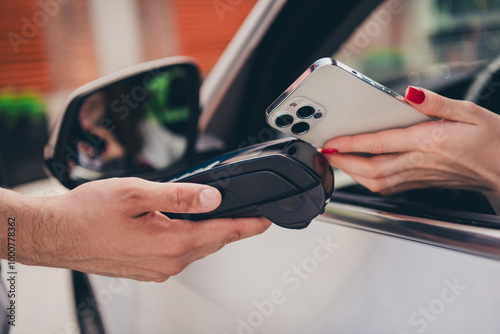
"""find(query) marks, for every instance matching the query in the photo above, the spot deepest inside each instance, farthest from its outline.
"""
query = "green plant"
(14, 107)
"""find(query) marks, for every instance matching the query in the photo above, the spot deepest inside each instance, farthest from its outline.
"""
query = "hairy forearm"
(10, 216)
(28, 223)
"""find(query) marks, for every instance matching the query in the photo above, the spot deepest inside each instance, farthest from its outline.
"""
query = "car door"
(423, 261)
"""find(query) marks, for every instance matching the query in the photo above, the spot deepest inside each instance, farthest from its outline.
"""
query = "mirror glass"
(140, 124)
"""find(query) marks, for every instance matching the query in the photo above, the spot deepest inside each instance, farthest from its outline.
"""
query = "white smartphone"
(330, 100)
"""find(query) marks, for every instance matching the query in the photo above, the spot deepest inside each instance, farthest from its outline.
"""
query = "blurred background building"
(50, 47)
(424, 40)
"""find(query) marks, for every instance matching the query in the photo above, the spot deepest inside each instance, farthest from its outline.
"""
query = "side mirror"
(141, 121)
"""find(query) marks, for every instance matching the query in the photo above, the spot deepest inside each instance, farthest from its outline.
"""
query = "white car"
(425, 261)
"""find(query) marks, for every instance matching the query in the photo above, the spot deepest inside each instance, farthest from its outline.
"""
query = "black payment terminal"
(287, 181)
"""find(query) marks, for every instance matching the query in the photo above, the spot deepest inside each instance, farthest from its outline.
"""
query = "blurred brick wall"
(205, 27)
(45, 45)
(159, 34)
(23, 58)
(53, 42)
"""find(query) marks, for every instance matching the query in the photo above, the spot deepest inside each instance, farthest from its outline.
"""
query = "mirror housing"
(141, 121)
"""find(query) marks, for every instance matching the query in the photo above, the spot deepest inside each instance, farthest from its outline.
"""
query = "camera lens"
(305, 112)
(284, 120)
(300, 128)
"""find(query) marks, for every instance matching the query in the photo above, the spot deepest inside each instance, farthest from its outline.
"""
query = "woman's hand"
(460, 151)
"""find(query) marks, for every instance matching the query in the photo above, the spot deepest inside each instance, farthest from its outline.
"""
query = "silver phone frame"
(326, 62)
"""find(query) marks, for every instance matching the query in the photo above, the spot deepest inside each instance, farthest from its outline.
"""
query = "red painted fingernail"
(329, 151)
(415, 95)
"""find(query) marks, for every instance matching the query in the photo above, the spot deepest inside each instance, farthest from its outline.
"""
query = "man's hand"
(114, 227)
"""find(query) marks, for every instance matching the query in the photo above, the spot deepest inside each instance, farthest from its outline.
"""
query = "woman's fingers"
(403, 140)
(435, 105)
(389, 141)
(420, 137)
(408, 178)
(459, 152)
(373, 167)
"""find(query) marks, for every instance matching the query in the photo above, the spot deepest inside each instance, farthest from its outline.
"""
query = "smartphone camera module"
(305, 112)
(284, 120)
(297, 117)
(300, 128)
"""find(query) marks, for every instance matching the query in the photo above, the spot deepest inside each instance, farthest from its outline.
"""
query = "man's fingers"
(435, 105)
(171, 197)
(225, 231)
(215, 233)
(180, 242)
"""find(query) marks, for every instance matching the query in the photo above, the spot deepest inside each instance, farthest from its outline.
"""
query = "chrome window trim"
(472, 239)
